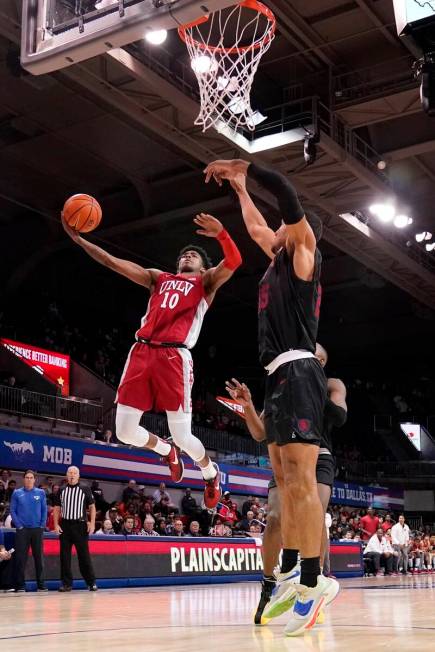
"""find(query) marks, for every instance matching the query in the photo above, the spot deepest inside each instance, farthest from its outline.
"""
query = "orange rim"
(248, 4)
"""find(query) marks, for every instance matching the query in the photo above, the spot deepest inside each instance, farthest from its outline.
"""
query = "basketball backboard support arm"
(116, 24)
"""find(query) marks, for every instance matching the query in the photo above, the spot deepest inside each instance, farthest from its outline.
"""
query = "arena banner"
(151, 558)
(355, 495)
(22, 450)
(145, 561)
(54, 366)
(346, 559)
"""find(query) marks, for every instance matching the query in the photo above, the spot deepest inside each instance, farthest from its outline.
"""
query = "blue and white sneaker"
(284, 594)
(309, 603)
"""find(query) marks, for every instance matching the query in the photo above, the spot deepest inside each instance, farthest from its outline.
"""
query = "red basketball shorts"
(157, 378)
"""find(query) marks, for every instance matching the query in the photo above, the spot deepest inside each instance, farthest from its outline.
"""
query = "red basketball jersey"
(175, 310)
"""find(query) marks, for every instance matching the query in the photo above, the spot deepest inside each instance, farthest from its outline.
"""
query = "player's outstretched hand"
(210, 226)
(225, 169)
(239, 392)
(74, 235)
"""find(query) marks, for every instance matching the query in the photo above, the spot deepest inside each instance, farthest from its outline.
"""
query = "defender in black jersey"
(289, 307)
(335, 416)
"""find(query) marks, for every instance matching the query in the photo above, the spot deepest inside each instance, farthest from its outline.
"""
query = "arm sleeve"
(232, 259)
(335, 414)
(285, 193)
(16, 519)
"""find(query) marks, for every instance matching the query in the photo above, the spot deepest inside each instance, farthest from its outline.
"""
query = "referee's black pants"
(75, 533)
(25, 538)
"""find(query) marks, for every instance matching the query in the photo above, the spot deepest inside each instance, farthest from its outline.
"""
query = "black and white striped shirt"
(73, 501)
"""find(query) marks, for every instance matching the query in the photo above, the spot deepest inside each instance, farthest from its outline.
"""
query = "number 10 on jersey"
(170, 302)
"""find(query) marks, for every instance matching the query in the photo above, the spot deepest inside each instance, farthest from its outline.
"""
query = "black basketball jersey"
(288, 308)
(334, 416)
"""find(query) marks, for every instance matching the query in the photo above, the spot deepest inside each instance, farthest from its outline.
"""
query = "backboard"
(58, 33)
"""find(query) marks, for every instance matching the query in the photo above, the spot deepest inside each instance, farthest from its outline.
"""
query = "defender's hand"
(223, 169)
(210, 226)
(58, 529)
(239, 392)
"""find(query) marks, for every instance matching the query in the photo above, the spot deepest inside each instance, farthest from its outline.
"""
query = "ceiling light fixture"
(156, 37)
(384, 212)
(424, 235)
(229, 84)
(237, 105)
(203, 64)
(402, 221)
(256, 118)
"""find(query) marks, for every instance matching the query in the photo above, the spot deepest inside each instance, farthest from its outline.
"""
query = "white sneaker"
(308, 604)
(284, 594)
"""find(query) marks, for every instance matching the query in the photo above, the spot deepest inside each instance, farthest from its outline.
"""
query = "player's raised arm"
(216, 276)
(240, 392)
(299, 233)
(134, 272)
(254, 221)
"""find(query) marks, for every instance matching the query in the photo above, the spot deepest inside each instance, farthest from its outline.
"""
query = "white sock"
(209, 471)
(162, 447)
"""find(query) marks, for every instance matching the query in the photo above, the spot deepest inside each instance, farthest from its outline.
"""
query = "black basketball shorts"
(325, 472)
(294, 403)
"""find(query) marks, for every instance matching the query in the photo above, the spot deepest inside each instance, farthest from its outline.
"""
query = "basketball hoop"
(225, 48)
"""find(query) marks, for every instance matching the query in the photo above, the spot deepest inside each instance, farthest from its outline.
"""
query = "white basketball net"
(225, 65)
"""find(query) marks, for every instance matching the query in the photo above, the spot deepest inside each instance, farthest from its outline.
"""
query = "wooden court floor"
(369, 614)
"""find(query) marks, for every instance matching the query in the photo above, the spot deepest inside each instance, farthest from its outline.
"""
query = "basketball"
(82, 213)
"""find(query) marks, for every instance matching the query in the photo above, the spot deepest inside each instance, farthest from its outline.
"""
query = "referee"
(70, 505)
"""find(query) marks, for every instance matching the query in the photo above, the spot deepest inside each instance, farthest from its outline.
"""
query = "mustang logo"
(428, 3)
(24, 447)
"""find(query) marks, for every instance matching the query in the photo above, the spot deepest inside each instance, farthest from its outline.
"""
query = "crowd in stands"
(153, 513)
(387, 541)
(219, 421)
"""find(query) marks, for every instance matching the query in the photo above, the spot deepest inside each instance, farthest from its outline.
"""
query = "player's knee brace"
(128, 429)
(180, 427)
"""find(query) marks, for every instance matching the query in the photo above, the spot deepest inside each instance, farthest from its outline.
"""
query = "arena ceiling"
(120, 127)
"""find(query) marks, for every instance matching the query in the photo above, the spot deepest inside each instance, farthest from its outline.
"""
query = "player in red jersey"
(158, 373)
